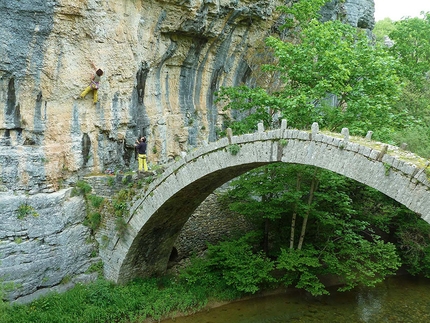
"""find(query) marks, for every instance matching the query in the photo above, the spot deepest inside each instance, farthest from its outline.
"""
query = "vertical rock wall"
(42, 241)
(162, 60)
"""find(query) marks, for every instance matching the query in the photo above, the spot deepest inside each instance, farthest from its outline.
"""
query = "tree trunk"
(293, 219)
(314, 185)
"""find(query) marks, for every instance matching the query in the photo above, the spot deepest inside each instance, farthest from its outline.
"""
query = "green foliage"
(234, 264)
(120, 200)
(81, 188)
(254, 105)
(200, 277)
(110, 181)
(103, 301)
(334, 58)
(339, 239)
(96, 201)
(382, 29)
(234, 149)
(301, 13)
(362, 262)
(94, 207)
(299, 268)
(96, 268)
(25, 210)
(119, 207)
(239, 266)
(283, 142)
(412, 238)
(17, 240)
(416, 132)
(330, 74)
(387, 168)
(4, 289)
(412, 47)
(93, 220)
(268, 185)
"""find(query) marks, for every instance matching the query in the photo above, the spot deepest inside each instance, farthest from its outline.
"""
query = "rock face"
(43, 240)
(163, 60)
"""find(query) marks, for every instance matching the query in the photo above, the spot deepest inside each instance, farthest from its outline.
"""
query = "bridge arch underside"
(157, 221)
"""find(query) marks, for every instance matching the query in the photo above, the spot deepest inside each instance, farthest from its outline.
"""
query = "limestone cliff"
(163, 60)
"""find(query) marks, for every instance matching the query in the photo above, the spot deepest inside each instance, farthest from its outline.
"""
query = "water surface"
(398, 299)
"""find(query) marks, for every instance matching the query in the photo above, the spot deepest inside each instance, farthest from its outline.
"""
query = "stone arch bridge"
(158, 215)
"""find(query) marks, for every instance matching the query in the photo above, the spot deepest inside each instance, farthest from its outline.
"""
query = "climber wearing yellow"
(94, 85)
(141, 148)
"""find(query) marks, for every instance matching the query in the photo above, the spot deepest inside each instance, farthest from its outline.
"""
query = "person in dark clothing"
(141, 149)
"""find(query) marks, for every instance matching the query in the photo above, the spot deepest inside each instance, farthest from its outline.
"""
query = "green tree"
(248, 193)
(382, 29)
(396, 224)
(233, 264)
(333, 238)
(412, 48)
(330, 74)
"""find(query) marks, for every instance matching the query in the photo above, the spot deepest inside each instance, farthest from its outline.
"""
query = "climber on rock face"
(141, 148)
(94, 85)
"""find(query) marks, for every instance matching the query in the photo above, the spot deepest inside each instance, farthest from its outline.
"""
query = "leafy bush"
(234, 264)
(299, 266)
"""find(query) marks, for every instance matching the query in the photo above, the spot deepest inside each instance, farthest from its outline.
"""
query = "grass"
(103, 301)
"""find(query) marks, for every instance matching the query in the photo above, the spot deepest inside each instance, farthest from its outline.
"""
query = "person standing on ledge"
(94, 85)
(141, 148)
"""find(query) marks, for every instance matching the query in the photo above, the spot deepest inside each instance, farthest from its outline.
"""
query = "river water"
(401, 299)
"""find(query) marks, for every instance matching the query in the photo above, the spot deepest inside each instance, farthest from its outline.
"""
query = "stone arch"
(157, 217)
